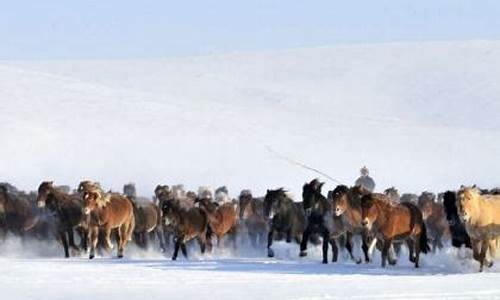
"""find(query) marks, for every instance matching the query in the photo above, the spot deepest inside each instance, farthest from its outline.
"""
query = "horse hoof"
(303, 253)
(490, 264)
(393, 262)
(325, 261)
(174, 258)
(358, 261)
(91, 256)
(270, 253)
(120, 255)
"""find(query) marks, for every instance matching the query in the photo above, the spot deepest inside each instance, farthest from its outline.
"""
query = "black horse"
(459, 235)
(287, 218)
(317, 209)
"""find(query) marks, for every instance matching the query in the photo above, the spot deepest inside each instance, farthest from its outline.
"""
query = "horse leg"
(64, 240)
(107, 238)
(184, 250)
(385, 251)
(326, 239)
(93, 239)
(289, 236)
(83, 233)
(202, 241)
(335, 250)
(71, 238)
(482, 255)
(303, 243)
(493, 252)
(418, 249)
(411, 247)
(145, 240)
(160, 235)
(364, 247)
(122, 237)
(348, 246)
(178, 241)
(270, 252)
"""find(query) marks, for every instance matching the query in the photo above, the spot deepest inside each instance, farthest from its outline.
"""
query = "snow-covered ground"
(33, 271)
(419, 115)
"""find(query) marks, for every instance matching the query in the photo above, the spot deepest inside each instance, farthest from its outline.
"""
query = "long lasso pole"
(297, 163)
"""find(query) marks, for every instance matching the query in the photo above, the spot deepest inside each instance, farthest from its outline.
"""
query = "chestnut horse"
(68, 210)
(346, 203)
(223, 219)
(481, 215)
(186, 223)
(107, 211)
(252, 215)
(391, 221)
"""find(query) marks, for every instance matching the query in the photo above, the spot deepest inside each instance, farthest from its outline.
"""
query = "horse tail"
(424, 245)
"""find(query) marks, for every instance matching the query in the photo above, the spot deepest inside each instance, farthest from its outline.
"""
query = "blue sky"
(148, 29)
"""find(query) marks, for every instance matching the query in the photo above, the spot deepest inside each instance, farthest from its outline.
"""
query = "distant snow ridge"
(417, 114)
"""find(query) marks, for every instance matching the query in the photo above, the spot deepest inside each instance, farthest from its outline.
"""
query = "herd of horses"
(89, 219)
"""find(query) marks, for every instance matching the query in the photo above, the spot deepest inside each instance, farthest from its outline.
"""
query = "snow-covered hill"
(419, 115)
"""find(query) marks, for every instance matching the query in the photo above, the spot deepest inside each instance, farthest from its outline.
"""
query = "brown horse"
(391, 221)
(147, 218)
(186, 223)
(252, 215)
(481, 215)
(17, 215)
(68, 210)
(346, 203)
(435, 219)
(223, 219)
(107, 211)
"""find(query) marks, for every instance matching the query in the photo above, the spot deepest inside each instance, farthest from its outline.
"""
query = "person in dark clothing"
(365, 180)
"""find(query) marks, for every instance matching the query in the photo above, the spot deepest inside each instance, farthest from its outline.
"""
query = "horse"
(318, 211)
(187, 223)
(17, 215)
(434, 217)
(346, 203)
(395, 221)
(393, 194)
(222, 218)
(251, 212)
(481, 215)
(287, 218)
(68, 211)
(107, 211)
(147, 218)
(409, 197)
(459, 235)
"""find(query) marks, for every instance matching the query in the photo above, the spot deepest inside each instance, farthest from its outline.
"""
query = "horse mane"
(102, 198)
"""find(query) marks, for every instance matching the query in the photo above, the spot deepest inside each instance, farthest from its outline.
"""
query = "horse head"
(311, 196)
(467, 202)
(245, 200)
(274, 202)
(44, 190)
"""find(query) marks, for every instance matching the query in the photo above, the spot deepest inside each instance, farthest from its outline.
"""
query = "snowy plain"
(421, 116)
